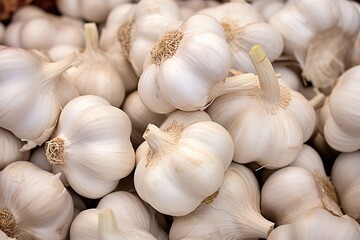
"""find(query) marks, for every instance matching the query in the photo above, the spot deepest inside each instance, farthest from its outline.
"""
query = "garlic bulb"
(91, 146)
(292, 190)
(180, 160)
(267, 8)
(96, 75)
(10, 146)
(91, 11)
(130, 215)
(140, 117)
(244, 27)
(153, 18)
(318, 35)
(61, 51)
(36, 29)
(23, 75)
(108, 229)
(174, 77)
(233, 212)
(339, 119)
(317, 223)
(345, 175)
(266, 109)
(34, 204)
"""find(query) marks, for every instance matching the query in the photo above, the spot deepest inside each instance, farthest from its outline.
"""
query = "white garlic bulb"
(338, 118)
(244, 27)
(25, 74)
(180, 160)
(268, 109)
(129, 214)
(34, 204)
(317, 223)
(176, 78)
(91, 146)
(233, 212)
(292, 190)
(267, 8)
(140, 117)
(9, 149)
(96, 74)
(345, 175)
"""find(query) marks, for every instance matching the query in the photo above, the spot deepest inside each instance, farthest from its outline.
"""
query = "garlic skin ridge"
(183, 158)
(173, 77)
(36, 205)
(233, 212)
(91, 146)
(24, 74)
(265, 108)
(317, 223)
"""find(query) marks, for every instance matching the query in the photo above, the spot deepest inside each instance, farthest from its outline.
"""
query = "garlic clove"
(10, 146)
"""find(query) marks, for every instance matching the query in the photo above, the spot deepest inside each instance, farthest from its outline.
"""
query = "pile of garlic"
(180, 120)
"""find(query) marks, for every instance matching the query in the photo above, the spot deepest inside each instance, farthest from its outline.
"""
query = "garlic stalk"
(346, 179)
(174, 77)
(317, 223)
(91, 146)
(96, 75)
(34, 204)
(108, 229)
(129, 216)
(244, 27)
(9, 149)
(233, 212)
(266, 109)
(180, 159)
(23, 75)
(292, 190)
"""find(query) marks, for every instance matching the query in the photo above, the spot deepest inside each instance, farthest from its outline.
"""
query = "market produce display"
(179, 119)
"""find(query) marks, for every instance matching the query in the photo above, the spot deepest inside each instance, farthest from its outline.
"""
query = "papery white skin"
(120, 21)
(345, 175)
(25, 74)
(153, 18)
(36, 29)
(183, 80)
(97, 151)
(140, 117)
(233, 213)
(266, 109)
(4, 237)
(244, 27)
(292, 190)
(267, 8)
(96, 75)
(340, 122)
(61, 51)
(129, 213)
(9, 149)
(89, 10)
(179, 160)
(317, 223)
(40, 204)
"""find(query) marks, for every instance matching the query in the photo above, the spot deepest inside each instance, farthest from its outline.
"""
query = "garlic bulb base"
(166, 46)
(55, 151)
(125, 38)
(7, 222)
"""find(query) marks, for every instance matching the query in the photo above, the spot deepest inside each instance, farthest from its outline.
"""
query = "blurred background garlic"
(25, 74)
(290, 191)
(129, 214)
(96, 75)
(267, 8)
(33, 28)
(181, 160)
(36, 206)
(91, 146)
(266, 109)
(170, 79)
(317, 223)
(232, 212)
(345, 175)
(244, 27)
(10, 149)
